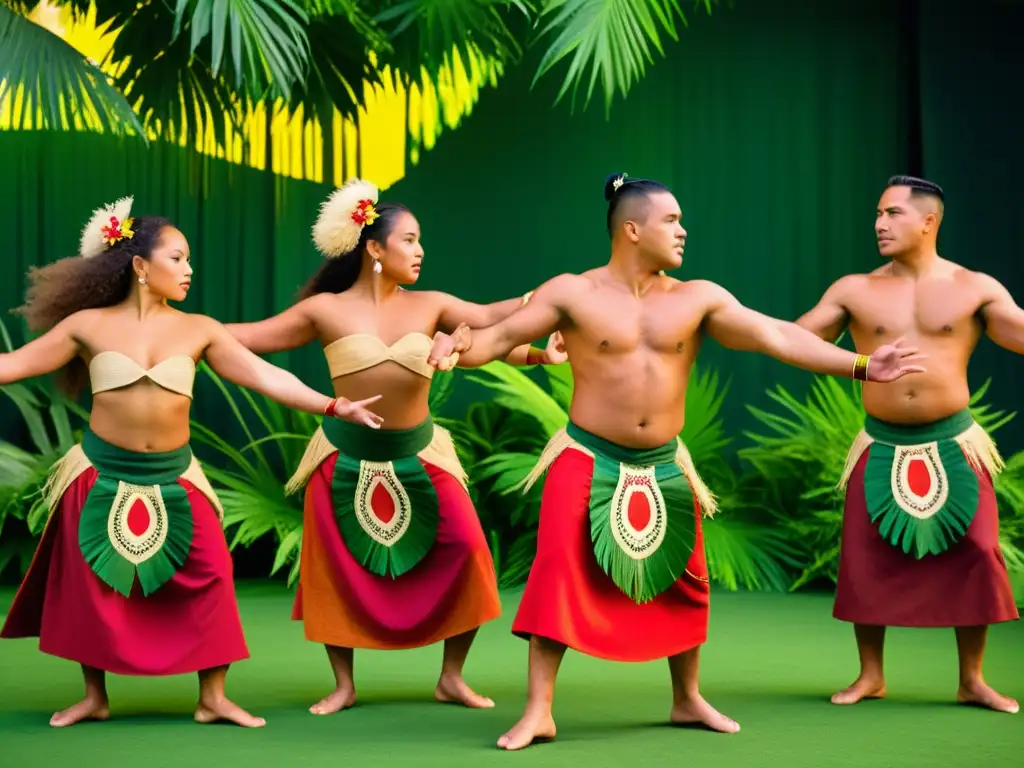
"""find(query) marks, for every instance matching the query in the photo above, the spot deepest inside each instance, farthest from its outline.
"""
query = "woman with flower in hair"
(393, 555)
(132, 574)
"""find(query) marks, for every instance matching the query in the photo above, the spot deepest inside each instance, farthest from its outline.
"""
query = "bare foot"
(862, 688)
(696, 711)
(453, 689)
(335, 701)
(88, 708)
(533, 727)
(225, 709)
(980, 694)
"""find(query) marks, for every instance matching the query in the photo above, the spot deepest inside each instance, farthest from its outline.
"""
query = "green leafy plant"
(52, 423)
(801, 454)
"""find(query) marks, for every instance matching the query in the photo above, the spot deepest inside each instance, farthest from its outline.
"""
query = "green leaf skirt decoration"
(642, 519)
(384, 500)
(920, 488)
(136, 520)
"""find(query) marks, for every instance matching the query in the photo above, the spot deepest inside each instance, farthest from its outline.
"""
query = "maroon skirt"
(189, 624)
(967, 585)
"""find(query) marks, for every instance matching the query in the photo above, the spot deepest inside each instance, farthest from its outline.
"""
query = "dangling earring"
(142, 281)
(377, 267)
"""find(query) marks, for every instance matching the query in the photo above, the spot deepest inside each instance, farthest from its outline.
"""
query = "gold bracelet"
(526, 298)
(860, 367)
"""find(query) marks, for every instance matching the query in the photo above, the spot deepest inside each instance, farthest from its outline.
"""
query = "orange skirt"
(451, 591)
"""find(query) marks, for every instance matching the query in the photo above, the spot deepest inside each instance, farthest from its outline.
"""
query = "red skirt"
(878, 584)
(570, 600)
(452, 590)
(191, 623)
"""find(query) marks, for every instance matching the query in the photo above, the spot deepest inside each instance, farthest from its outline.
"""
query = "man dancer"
(920, 544)
(620, 572)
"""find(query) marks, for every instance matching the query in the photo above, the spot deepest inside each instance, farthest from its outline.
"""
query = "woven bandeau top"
(351, 354)
(114, 370)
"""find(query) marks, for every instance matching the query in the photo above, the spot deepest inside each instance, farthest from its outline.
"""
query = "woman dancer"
(393, 555)
(133, 575)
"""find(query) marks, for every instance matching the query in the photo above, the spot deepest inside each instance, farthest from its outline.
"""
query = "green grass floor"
(771, 663)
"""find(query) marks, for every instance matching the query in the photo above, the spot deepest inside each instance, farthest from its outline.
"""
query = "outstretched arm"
(829, 318)
(295, 327)
(455, 312)
(1004, 319)
(738, 327)
(234, 362)
(539, 318)
(54, 349)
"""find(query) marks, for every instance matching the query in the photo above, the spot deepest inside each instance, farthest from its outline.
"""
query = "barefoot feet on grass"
(89, 708)
(533, 727)
(980, 694)
(454, 690)
(696, 711)
(862, 688)
(212, 711)
(335, 701)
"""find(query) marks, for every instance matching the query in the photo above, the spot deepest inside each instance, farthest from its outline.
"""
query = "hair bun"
(612, 184)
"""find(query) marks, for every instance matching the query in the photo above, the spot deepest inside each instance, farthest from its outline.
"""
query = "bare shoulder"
(707, 292)
(568, 286)
(85, 319)
(319, 304)
(983, 285)
(204, 325)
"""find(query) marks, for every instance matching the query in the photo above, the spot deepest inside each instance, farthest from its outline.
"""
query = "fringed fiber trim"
(440, 452)
(976, 443)
(560, 441)
(861, 443)
(317, 450)
(62, 474)
(195, 475)
(981, 450)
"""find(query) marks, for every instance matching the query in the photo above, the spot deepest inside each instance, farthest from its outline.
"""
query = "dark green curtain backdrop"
(971, 65)
(775, 123)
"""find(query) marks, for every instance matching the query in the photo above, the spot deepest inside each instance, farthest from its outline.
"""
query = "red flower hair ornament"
(342, 217)
(108, 226)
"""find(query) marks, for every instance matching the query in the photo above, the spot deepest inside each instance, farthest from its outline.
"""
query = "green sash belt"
(642, 522)
(137, 520)
(384, 500)
(920, 489)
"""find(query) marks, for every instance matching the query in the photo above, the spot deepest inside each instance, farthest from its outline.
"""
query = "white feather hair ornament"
(108, 226)
(343, 216)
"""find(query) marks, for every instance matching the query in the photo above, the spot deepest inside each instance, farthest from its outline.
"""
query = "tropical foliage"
(178, 69)
(53, 424)
(777, 527)
(801, 454)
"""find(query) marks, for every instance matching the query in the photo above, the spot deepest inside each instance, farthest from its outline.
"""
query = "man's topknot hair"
(618, 188)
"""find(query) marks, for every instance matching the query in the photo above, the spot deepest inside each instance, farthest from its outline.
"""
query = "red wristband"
(329, 410)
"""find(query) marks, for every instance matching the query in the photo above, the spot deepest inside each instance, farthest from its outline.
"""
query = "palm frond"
(263, 43)
(614, 39)
(48, 84)
(518, 392)
(424, 34)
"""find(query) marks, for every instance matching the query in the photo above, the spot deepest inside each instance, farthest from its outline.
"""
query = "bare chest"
(660, 325)
(933, 309)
